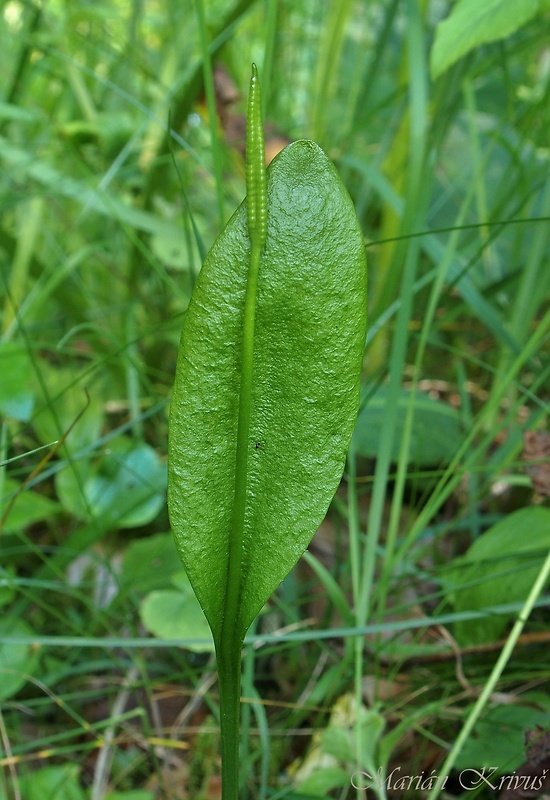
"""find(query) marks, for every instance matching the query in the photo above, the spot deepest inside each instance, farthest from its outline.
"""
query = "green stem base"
(229, 684)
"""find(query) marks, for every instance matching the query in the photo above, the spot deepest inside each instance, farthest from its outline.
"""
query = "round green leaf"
(126, 487)
(309, 331)
(176, 614)
(149, 563)
(436, 433)
(500, 567)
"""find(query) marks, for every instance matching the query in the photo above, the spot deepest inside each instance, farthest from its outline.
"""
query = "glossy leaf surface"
(308, 338)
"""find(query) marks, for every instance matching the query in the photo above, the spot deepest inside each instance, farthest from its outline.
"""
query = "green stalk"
(257, 210)
(498, 669)
(247, 687)
(229, 685)
(228, 649)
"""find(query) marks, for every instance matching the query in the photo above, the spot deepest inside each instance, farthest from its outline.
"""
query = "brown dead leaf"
(536, 454)
(532, 779)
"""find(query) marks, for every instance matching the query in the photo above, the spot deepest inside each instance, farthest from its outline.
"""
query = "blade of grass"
(415, 209)
(30, 224)
(269, 53)
(274, 639)
(494, 677)
(215, 144)
(327, 65)
(453, 474)
(403, 462)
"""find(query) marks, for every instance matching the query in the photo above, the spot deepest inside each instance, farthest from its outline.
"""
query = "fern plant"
(266, 394)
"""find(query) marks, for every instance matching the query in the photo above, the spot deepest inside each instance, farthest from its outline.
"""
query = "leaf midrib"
(231, 630)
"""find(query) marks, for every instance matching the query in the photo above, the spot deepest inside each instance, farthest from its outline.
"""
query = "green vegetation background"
(121, 144)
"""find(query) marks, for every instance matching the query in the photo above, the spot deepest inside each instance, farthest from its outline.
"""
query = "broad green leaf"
(171, 251)
(333, 752)
(324, 780)
(126, 486)
(138, 794)
(499, 738)
(308, 339)
(500, 567)
(16, 396)
(436, 434)
(53, 783)
(149, 563)
(472, 23)
(29, 507)
(17, 659)
(339, 740)
(176, 614)
(66, 401)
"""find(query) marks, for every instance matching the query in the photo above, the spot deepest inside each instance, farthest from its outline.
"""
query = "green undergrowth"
(413, 635)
